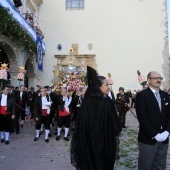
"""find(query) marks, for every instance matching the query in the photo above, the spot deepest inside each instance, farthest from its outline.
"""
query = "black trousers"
(122, 116)
(5, 122)
(32, 109)
(43, 120)
(22, 113)
(64, 121)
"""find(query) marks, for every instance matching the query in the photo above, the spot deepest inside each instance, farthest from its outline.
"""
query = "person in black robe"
(94, 141)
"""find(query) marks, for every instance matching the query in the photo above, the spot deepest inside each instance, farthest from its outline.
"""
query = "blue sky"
(168, 6)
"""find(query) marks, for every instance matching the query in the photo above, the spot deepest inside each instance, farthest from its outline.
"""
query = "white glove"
(159, 137)
(165, 135)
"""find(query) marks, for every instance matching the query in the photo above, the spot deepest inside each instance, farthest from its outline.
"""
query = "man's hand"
(36, 119)
(13, 117)
(165, 135)
(159, 137)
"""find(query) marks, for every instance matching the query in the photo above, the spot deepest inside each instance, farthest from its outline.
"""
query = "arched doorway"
(4, 59)
(29, 76)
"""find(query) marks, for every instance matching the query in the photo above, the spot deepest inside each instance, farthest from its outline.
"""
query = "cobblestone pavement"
(24, 154)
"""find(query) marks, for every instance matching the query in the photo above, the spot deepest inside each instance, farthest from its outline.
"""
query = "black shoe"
(66, 138)
(7, 142)
(49, 135)
(22, 125)
(47, 140)
(2, 140)
(35, 139)
(41, 132)
(17, 132)
(57, 137)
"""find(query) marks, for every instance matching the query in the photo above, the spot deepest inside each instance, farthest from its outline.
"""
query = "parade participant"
(111, 95)
(77, 99)
(153, 113)
(94, 144)
(42, 113)
(21, 98)
(11, 93)
(64, 109)
(122, 101)
(53, 107)
(31, 100)
(7, 112)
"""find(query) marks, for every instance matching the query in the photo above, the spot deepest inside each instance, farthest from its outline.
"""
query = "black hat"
(121, 88)
(8, 85)
(46, 87)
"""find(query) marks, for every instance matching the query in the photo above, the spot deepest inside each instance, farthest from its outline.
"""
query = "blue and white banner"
(39, 53)
(20, 19)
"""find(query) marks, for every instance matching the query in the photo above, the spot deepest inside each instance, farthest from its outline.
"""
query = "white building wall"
(126, 35)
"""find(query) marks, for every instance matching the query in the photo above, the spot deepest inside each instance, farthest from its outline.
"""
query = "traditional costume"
(7, 109)
(42, 112)
(94, 141)
(64, 111)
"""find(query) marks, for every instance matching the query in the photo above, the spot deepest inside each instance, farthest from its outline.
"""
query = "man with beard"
(153, 113)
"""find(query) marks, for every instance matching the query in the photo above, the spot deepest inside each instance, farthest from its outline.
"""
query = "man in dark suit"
(31, 99)
(21, 98)
(153, 112)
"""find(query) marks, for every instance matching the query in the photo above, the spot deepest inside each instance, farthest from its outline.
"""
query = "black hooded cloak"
(94, 143)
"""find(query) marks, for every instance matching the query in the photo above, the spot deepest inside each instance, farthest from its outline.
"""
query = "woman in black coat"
(94, 141)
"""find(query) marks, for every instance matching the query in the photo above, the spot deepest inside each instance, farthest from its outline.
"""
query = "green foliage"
(10, 28)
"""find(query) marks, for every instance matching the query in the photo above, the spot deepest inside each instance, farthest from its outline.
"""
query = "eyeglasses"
(156, 78)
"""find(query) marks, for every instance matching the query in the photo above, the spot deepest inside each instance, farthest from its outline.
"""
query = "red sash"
(44, 112)
(63, 113)
(20, 102)
(3, 111)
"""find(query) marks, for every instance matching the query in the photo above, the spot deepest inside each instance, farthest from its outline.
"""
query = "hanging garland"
(10, 28)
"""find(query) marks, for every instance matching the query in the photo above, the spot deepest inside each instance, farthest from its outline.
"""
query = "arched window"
(74, 4)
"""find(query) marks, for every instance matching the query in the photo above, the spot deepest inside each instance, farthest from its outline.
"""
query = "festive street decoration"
(141, 78)
(10, 28)
(21, 73)
(3, 71)
(38, 82)
(110, 81)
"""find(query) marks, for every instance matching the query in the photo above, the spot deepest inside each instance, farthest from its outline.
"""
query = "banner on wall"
(39, 53)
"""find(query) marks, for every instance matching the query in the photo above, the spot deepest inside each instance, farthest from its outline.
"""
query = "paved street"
(24, 154)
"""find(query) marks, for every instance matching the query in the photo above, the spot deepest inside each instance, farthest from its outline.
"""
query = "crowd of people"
(96, 118)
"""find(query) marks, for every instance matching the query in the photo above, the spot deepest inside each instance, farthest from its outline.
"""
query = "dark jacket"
(150, 118)
(10, 104)
(38, 106)
(31, 97)
(24, 98)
